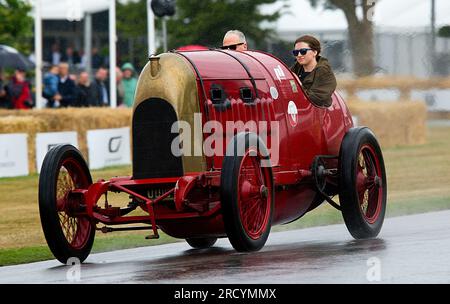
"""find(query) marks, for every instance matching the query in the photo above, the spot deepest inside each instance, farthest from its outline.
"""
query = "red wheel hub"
(71, 176)
(254, 194)
(369, 183)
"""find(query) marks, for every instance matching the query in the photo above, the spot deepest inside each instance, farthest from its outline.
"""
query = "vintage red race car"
(225, 144)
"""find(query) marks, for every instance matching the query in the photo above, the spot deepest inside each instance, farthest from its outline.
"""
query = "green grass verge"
(14, 256)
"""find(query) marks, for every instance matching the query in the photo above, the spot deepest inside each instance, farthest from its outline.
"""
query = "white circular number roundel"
(274, 93)
(292, 113)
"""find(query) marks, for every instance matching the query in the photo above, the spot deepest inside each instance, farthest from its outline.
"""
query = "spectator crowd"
(64, 89)
(75, 59)
(67, 84)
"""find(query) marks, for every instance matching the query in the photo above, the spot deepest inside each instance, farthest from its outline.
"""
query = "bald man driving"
(234, 40)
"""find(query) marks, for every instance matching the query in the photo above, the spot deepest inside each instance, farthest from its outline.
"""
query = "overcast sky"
(405, 14)
(402, 14)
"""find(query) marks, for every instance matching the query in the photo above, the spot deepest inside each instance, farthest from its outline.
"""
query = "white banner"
(109, 147)
(13, 155)
(46, 141)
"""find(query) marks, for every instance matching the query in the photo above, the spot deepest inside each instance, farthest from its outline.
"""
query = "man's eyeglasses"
(231, 47)
(301, 52)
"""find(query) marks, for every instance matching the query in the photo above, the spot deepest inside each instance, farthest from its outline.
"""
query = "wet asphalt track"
(410, 249)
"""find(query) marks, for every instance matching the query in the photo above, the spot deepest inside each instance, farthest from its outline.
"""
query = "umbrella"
(11, 58)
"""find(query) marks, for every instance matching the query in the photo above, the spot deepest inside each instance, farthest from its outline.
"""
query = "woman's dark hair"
(312, 42)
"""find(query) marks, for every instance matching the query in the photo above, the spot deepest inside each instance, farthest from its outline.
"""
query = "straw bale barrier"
(395, 124)
(374, 82)
(57, 120)
(404, 84)
(444, 115)
(402, 123)
(28, 125)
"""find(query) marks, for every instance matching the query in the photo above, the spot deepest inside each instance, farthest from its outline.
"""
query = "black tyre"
(68, 234)
(247, 195)
(362, 184)
(201, 243)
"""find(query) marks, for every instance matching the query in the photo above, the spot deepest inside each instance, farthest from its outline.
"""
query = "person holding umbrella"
(19, 91)
(16, 94)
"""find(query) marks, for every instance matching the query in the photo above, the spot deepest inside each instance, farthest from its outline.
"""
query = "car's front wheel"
(68, 231)
(247, 194)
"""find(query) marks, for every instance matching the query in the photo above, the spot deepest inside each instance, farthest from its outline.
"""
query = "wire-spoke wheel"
(363, 187)
(247, 194)
(69, 232)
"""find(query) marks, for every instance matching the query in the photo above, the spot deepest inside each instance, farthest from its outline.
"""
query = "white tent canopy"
(71, 9)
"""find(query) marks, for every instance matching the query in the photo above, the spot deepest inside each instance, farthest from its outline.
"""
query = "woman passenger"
(314, 71)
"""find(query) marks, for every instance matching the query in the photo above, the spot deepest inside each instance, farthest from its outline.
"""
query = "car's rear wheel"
(201, 243)
(363, 187)
(68, 233)
(247, 195)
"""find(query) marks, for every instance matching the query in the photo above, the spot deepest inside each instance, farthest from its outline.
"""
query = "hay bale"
(395, 124)
(82, 120)
(57, 120)
(402, 123)
(440, 115)
(403, 84)
(382, 82)
(28, 125)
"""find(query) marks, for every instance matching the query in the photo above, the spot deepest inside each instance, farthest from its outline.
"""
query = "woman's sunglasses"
(301, 52)
(231, 47)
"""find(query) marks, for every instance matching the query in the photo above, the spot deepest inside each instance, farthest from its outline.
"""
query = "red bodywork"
(189, 206)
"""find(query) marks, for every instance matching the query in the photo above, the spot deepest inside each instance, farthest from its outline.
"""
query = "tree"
(360, 30)
(132, 23)
(132, 18)
(444, 31)
(16, 25)
(205, 22)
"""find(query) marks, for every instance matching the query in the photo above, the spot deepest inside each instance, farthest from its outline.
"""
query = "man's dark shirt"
(85, 96)
(68, 92)
(99, 88)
